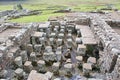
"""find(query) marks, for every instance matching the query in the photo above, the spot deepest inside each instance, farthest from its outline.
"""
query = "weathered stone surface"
(36, 76)
(50, 56)
(28, 66)
(19, 72)
(58, 55)
(41, 65)
(3, 73)
(48, 49)
(87, 67)
(49, 75)
(33, 56)
(55, 66)
(91, 60)
(68, 67)
(18, 61)
(79, 59)
(81, 49)
(24, 56)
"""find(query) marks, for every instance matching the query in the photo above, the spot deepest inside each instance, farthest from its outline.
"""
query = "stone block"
(61, 35)
(78, 40)
(91, 60)
(49, 75)
(62, 30)
(29, 48)
(51, 41)
(68, 67)
(49, 56)
(33, 56)
(41, 65)
(37, 47)
(55, 66)
(19, 72)
(58, 55)
(37, 76)
(24, 55)
(69, 35)
(87, 67)
(69, 43)
(79, 59)
(48, 49)
(28, 66)
(18, 61)
(3, 73)
(81, 49)
(52, 35)
(59, 42)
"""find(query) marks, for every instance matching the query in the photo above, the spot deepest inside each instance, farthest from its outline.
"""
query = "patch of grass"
(49, 6)
(36, 18)
(6, 7)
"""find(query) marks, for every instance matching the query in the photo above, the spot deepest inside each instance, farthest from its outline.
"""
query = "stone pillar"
(28, 66)
(49, 56)
(55, 66)
(29, 48)
(87, 67)
(19, 72)
(48, 49)
(79, 60)
(33, 57)
(61, 35)
(58, 55)
(68, 68)
(92, 61)
(81, 50)
(24, 56)
(59, 42)
(41, 65)
(18, 61)
(37, 47)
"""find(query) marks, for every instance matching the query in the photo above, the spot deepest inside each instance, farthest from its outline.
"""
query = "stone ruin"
(82, 46)
(17, 12)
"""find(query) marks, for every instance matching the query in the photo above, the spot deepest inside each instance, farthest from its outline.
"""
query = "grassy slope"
(49, 6)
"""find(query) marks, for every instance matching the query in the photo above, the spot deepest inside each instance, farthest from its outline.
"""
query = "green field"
(47, 7)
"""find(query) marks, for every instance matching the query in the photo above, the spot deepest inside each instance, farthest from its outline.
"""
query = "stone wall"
(110, 40)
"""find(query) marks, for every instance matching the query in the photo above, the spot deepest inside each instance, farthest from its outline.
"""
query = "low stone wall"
(110, 40)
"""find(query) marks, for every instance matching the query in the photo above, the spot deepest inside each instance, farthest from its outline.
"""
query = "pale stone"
(29, 48)
(87, 67)
(33, 56)
(53, 35)
(58, 55)
(28, 66)
(61, 35)
(37, 76)
(18, 61)
(78, 40)
(49, 56)
(79, 59)
(68, 67)
(48, 49)
(49, 75)
(37, 47)
(55, 66)
(59, 42)
(24, 56)
(81, 49)
(19, 72)
(41, 65)
(91, 60)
